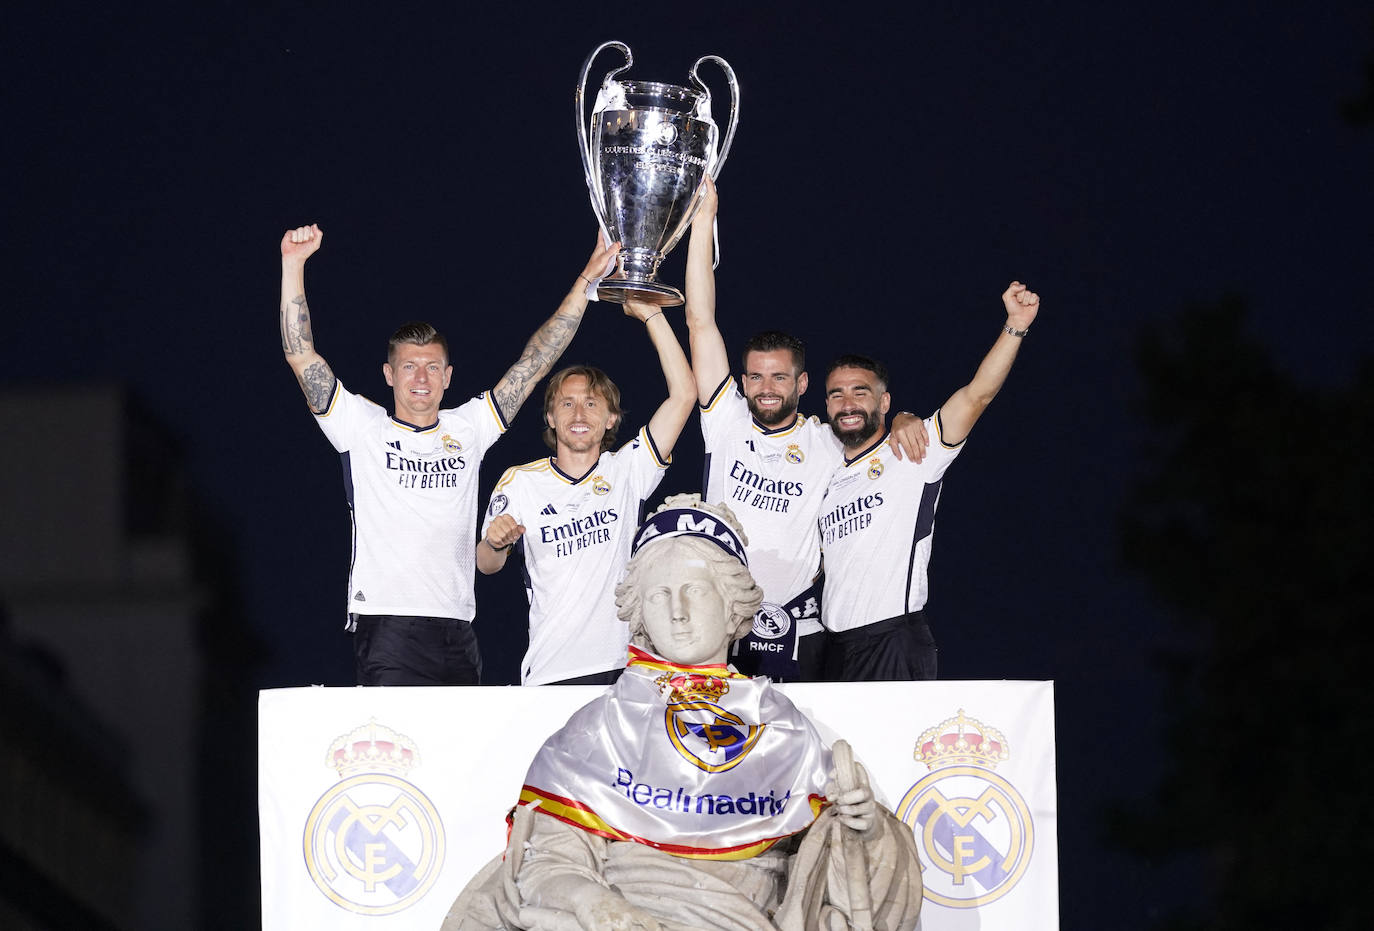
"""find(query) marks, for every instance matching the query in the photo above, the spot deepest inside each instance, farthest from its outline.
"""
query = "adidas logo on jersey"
(548, 509)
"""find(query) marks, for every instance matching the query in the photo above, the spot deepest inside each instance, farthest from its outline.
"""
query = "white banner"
(377, 805)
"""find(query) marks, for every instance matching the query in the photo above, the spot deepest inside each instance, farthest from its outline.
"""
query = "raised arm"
(297, 338)
(549, 341)
(667, 423)
(710, 362)
(965, 406)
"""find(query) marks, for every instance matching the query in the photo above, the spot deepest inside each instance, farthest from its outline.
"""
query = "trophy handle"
(719, 161)
(584, 144)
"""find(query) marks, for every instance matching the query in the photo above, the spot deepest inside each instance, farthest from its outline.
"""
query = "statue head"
(687, 592)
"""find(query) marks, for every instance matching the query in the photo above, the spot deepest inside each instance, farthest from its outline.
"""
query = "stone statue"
(688, 796)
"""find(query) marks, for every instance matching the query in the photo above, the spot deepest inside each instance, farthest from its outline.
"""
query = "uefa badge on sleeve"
(374, 843)
(971, 825)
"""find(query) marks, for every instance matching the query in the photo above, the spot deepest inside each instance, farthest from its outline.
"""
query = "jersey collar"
(398, 422)
(571, 479)
(797, 421)
(848, 461)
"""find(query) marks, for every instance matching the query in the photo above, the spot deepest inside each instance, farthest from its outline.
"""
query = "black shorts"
(898, 648)
(391, 649)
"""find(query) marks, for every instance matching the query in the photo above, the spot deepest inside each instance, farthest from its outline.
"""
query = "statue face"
(685, 613)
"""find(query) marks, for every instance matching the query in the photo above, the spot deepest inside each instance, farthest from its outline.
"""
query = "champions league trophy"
(648, 149)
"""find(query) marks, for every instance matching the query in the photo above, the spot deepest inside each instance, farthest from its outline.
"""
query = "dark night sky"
(889, 177)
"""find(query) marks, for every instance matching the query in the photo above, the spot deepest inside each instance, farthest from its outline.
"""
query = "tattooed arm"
(549, 341)
(297, 339)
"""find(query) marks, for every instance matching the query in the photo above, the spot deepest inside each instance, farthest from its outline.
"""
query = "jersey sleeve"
(502, 500)
(725, 409)
(939, 454)
(346, 416)
(486, 420)
(644, 464)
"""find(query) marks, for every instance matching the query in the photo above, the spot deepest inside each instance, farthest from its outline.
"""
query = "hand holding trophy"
(645, 153)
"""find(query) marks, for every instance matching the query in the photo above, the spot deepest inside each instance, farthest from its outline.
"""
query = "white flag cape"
(696, 761)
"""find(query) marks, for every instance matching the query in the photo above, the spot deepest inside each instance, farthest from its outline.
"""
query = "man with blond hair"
(411, 478)
(571, 515)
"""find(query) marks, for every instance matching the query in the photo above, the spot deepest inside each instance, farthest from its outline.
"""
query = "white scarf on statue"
(696, 761)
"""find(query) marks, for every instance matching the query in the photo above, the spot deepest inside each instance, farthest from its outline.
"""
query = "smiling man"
(770, 464)
(878, 519)
(411, 478)
(571, 515)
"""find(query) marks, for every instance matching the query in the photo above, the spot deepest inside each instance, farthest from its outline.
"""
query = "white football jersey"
(413, 496)
(774, 480)
(576, 543)
(876, 530)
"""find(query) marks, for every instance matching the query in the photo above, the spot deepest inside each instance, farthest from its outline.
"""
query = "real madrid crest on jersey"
(451, 445)
(600, 486)
(374, 843)
(971, 825)
(709, 737)
(794, 454)
(875, 467)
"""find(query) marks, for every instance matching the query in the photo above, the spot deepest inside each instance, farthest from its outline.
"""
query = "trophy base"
(618, 291)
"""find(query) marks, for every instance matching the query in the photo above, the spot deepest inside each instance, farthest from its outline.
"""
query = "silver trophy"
(645, 157)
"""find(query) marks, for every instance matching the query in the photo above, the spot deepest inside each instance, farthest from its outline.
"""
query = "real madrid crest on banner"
(709, 737)
(374, 844)
(971, 825)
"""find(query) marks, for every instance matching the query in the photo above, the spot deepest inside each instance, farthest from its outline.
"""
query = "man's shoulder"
(357, 403)
(524, 473)
(634, 443)
(472, 406)
(641, 444)
(819, 432)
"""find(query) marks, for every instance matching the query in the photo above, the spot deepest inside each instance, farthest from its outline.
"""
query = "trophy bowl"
(646, 149)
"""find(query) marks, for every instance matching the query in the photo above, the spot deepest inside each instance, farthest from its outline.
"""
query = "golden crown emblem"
(692, 686)
(961, 741)
(372, 748)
